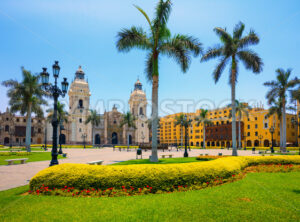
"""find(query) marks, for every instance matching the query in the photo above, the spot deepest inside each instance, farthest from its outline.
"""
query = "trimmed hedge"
(160, 176)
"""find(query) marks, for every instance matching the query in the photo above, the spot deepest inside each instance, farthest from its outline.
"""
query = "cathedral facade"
(109, 131)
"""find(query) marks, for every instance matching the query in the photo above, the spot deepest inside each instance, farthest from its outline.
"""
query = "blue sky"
(35, 33)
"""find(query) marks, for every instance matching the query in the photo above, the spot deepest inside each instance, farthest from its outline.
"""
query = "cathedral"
(109, 131)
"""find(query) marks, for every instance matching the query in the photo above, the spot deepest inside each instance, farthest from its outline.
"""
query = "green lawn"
(24, 149)
(161, 161)
(34, 156)
(258, 197)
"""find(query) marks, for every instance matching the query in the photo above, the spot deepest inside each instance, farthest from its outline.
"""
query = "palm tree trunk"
(28, 129)
(203, 135)
(154, 157)
(240, 145)
(283, 149)
(233, 74)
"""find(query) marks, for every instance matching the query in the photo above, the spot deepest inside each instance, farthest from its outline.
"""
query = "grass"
(24, 149)
(161, 161)
(33, 157)
(258, 197)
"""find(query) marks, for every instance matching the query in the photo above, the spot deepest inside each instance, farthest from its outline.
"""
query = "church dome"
(79, 73)
(138, 85)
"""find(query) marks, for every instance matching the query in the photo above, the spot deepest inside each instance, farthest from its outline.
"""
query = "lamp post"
(55, 91)
(272, 131)
(84, 137)
(11, 133)
(186, 132)
(260, 137)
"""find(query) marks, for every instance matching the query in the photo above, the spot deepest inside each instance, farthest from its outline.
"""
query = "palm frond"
(135, 37)
(149, 66)
(251, 60)
(238, 30)
(224, 36)
(250, 39)
(219, 69)
(147, 18)
(162, 13)
(212, 53)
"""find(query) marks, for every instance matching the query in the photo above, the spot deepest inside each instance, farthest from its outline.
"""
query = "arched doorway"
(218, 143)
(201, 144)
(192, 144)
(39, 141)
(256, 143)
(249, 143)
(62, 138)
(212, 143)
(114, 138)
(197, 143)
(130, 139)
(228, 144)
(266, 143)
(97, 139)
(208, 143)
(222, 144)
(6, 140)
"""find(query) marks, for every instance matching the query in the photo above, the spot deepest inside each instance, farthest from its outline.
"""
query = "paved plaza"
(19, 175)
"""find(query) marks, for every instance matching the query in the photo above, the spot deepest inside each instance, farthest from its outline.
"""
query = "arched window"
(6, 128)
(80, 120)
(141, 111)
(80, 103)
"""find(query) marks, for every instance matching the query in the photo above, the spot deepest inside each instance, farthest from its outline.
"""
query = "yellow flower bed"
(160, 176)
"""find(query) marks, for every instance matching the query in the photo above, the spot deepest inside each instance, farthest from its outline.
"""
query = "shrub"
(159, 177)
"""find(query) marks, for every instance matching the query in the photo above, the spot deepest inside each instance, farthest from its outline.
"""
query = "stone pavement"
(19, 175)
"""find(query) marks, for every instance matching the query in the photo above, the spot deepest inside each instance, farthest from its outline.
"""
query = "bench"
(11, 161)
(97, 162)
(164, 155)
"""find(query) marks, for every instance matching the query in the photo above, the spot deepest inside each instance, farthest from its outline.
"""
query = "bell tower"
(138, 107)
(79, 105)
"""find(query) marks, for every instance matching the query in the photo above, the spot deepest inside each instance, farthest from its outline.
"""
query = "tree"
(276, 109)
(185, 122)
(202, 118)
(62, 117)
(26, 97)
(94, 119)
(279, 88)
(241, 109)
(129, 120)
(158, 42)
(234, 49)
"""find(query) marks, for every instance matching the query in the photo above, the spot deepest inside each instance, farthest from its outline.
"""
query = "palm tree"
(129, 120)
(183, 121)
(26, 97)
(94, 119)
(62, 117)
(158, 42)
(202, 118)
(240, 108)
(234, 49)
(279, 88)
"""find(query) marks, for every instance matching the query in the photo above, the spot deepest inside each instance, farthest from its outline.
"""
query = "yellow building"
(255, 129)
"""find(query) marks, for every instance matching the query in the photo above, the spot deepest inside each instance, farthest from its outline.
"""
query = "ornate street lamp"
(84, 136)
(54, 91)
(186, 132)
(260, 137)
(272, 130)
